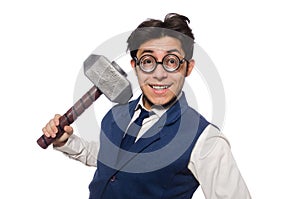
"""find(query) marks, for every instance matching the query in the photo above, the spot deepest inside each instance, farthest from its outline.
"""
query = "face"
(161, 87)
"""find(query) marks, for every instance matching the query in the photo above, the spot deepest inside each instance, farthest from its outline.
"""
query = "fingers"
(50, 129)
(56, 119)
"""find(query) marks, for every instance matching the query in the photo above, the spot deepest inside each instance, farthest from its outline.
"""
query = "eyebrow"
(147, 51)
(168, 51)
(173, 50)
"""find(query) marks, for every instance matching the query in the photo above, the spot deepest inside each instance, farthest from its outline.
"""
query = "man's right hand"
(50, 130)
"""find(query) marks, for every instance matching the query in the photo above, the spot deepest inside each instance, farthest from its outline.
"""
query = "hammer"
(108, 78)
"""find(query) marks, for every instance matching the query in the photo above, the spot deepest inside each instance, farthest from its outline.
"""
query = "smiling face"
(161, 87)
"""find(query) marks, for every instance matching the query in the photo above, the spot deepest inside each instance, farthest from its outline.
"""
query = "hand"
(50, 130)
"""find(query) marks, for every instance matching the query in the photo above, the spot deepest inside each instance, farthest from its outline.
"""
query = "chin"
(163, 102)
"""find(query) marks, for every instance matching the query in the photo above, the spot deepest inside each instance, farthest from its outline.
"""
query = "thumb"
(68, 130)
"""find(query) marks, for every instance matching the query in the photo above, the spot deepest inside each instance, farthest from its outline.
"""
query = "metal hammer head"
(108, 77)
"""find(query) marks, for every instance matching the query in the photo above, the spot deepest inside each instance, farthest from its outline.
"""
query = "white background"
(253, 44)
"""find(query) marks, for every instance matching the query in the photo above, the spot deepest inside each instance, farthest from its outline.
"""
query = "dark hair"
(174, 25)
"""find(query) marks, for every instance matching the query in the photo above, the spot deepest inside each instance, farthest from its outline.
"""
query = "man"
(157, 146)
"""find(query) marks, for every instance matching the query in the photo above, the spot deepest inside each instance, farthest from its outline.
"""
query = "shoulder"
(119, 110)
(189, 112)
(192, 114)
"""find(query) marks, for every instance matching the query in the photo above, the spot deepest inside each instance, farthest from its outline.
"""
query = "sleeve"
(214, 167)
(81, 150)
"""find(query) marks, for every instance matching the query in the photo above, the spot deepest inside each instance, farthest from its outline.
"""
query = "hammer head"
(108, 77)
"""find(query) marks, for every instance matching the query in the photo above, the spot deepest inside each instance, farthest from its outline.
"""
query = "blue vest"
(156, 167)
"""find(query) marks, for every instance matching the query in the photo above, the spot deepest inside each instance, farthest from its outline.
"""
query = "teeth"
(160, 87)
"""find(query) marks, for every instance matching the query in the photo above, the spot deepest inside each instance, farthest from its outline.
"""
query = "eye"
(171, 61)
(147, 62)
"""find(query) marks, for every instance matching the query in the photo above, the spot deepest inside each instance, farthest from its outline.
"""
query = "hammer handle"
(71, 115)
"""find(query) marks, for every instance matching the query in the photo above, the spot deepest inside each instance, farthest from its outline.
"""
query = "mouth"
(159, 87)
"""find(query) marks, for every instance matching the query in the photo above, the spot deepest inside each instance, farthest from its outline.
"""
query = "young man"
(157, 146)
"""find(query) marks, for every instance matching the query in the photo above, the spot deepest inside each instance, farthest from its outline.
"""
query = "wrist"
(60, 144)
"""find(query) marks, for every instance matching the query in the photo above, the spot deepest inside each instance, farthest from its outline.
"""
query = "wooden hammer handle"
(71, 115)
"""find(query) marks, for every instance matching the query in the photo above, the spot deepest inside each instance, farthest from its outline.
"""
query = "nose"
(160, 73)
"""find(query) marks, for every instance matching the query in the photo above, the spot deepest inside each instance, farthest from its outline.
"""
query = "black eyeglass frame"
(166, 68)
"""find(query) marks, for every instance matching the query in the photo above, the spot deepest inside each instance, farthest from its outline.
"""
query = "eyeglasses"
(170, 63)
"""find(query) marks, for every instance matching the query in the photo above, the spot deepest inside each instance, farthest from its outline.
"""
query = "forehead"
(162, 44)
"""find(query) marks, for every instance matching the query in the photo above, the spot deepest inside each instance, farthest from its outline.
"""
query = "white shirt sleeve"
(81, 150)
(214, 167)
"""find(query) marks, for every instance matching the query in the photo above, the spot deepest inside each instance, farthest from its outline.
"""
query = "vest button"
(113, 178)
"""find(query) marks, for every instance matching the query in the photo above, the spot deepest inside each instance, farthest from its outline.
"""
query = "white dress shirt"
(211, 161)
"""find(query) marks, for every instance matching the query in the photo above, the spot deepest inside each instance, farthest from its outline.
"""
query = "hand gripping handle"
(71, 115)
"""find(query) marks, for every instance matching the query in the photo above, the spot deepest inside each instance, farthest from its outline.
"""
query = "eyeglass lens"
(170, 62)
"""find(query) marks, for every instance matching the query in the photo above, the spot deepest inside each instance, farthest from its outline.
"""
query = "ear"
(133, 65)
(190, 67)
(132, 62)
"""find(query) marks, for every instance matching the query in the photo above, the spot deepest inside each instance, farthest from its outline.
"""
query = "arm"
(214, 167)
(81, 150)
